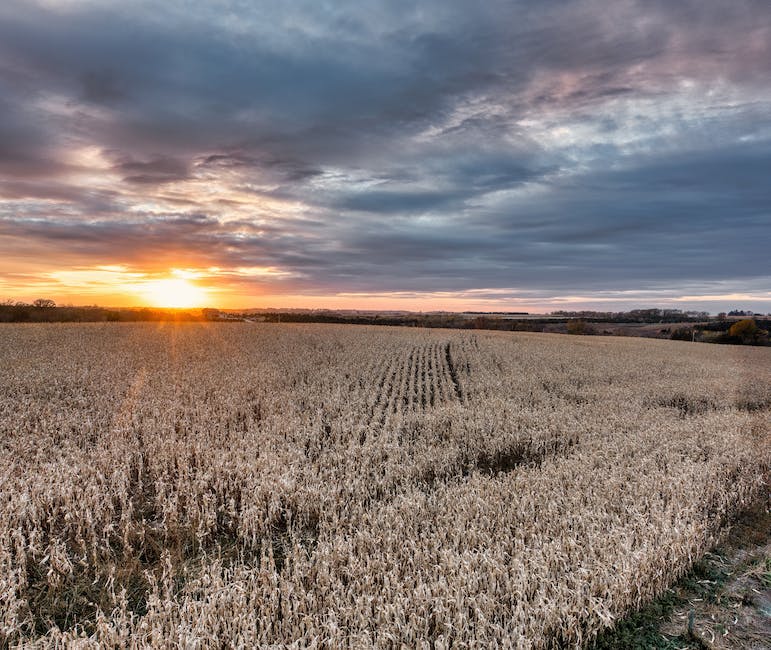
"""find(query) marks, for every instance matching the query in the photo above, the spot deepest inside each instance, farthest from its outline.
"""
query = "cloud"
(580, 146)
(158, 169)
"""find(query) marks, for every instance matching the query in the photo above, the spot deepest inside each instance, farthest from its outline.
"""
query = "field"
(243, 484)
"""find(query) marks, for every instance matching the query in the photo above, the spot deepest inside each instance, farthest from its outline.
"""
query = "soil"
(724, 603)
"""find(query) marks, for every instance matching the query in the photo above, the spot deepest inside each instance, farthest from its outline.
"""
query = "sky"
(442, 154)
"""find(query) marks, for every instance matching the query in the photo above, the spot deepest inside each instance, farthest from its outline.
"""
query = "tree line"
(44, 310)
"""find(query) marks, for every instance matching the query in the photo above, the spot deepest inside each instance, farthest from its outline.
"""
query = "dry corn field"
(241, 485)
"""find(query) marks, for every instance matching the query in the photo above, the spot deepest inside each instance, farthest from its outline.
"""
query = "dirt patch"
(724, 603)
(733, 610)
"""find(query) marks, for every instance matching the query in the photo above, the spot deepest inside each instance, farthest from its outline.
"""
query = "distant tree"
(579, 326)
(747, 331)
(682, 334)
(481, 323)
(210, 314)
(44, 303)
(722, 316)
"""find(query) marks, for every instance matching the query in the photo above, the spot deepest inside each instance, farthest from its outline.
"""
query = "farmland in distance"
(189, 485)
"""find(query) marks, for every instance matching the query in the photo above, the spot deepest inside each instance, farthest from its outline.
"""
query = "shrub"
(682, 334)
(579, 326)
(747, 331)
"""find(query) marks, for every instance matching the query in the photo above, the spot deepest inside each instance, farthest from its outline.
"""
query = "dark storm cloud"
(159, 169)
(676, 218)
(439, 146)
(25, 151)
(285, 170)
(173, 240)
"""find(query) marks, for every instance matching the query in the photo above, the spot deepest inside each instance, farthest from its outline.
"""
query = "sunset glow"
(174, 292)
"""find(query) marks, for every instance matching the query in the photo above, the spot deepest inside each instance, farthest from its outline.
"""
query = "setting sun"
(174, 292)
